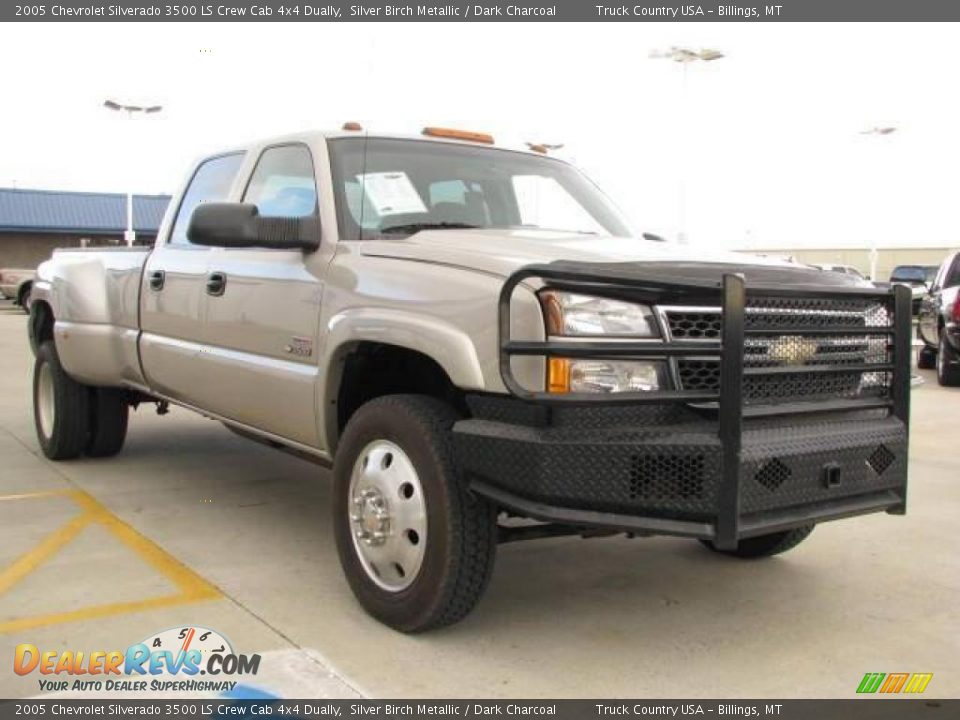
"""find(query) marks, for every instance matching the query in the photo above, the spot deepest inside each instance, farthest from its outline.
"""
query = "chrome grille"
(774, 350)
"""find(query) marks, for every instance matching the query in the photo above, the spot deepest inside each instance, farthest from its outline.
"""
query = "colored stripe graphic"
(894, 682)
(918, 682)
(870, 682)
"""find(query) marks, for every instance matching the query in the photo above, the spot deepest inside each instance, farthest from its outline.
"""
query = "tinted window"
(953, 275)
(211, 182)
(909, 273)
(282, 184)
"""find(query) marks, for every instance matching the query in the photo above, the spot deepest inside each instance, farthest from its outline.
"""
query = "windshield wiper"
(417, 227)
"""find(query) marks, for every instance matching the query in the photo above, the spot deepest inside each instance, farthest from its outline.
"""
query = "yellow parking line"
(94, 612)
(192, 587)
(183, 577)
(28, 562)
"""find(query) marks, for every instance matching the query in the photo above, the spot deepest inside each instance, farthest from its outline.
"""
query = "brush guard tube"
(726, 523)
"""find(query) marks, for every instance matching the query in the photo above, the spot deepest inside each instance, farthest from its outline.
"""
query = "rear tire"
(927, 358)
(948, 364)
(766, 545)
(395, 473)
(108, 422)
(61, 407)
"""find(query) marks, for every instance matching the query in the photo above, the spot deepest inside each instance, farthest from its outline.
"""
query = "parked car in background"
(17, 284)
(845, 269)
(939, 325)
(917, 277)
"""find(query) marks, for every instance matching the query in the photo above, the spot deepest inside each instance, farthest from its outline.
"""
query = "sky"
(763, 145)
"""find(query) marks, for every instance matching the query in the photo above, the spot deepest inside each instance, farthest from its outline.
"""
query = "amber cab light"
(467, 135)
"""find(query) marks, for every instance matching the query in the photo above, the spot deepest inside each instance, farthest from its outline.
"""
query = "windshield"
(394, 188)
(913, 273)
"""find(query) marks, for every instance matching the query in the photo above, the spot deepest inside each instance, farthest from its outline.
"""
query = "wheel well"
(23, 290)
(40, 325)
(370, 370)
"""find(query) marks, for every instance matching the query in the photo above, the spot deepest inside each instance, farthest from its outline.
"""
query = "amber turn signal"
(558, 375)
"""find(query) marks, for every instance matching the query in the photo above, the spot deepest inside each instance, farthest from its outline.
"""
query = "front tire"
(61, 408)
(416, 545)
(948, 364)
(766, 545)
(926, 358)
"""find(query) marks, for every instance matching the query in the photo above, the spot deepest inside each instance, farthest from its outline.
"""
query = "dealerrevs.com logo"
(168, 661)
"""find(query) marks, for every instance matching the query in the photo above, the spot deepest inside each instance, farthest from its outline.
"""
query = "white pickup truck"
(470, 335)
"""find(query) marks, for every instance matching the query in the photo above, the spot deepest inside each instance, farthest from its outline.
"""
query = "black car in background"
(939, 323)
(916, 277)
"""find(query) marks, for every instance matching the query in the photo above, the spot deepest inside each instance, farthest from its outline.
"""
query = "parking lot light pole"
(684, 56)
(874, 251)
(129, 236)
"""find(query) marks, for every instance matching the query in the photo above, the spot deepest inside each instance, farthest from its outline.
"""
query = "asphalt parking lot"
(191, 525)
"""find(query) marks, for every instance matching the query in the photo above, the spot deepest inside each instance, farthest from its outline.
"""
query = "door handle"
(216, 283)
(156, 280)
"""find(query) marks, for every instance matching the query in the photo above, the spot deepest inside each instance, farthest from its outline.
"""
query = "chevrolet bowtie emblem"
(792, 350)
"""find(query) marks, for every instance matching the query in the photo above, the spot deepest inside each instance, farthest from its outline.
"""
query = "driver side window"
(283, 184)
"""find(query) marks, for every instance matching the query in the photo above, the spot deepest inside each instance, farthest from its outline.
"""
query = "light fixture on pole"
(129, 236)
(684, 56)
(877, 131)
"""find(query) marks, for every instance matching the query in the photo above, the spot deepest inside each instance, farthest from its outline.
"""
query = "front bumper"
(769, 446)
(646, 472)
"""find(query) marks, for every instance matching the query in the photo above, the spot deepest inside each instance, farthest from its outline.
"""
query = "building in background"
(925, 253)
(35, 222)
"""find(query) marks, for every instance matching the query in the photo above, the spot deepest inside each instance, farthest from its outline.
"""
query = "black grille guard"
(731, 294)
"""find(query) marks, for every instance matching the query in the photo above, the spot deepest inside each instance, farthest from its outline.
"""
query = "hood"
(501, 252)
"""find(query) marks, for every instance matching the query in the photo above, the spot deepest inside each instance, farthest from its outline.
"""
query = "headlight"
(575, 315)
(568, 375)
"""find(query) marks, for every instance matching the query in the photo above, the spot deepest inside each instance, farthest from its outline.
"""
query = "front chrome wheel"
(46, 403)
(388, 515)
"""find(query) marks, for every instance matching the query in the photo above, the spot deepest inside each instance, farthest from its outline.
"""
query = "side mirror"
(240, 225)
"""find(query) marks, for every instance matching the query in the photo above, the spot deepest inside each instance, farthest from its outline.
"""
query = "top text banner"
(518, 11)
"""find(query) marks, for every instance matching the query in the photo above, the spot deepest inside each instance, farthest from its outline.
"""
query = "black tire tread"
(949, 374)
(71, 424)
(767, 545)
(927, 358)
(472, 533)
(108, 422)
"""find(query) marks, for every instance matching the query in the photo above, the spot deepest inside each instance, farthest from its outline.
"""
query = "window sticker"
(392, 193)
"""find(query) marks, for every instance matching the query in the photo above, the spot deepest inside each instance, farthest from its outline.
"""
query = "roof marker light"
(467, 135)
(353, 126)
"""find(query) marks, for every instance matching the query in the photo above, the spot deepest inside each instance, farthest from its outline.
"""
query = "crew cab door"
(172, 294)
(262, 311)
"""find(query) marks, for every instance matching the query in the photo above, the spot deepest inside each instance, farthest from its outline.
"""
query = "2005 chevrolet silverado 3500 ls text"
(470, 335)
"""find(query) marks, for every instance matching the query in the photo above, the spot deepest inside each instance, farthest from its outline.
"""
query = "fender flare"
(451, 348)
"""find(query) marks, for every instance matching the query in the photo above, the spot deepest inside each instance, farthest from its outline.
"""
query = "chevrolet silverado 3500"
(469, 335)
